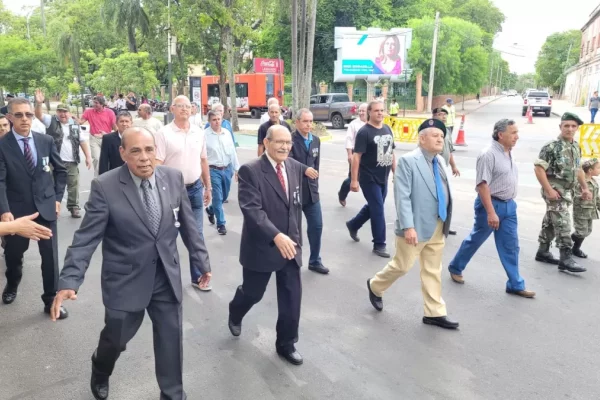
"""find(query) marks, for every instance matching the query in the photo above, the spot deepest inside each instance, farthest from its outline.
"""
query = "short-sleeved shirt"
(152, 124)
(499, 171)
(66, 149)
(102, 121)
(594, 102)
(377, 148)
(353, 129)
(263, 128)
(182, 150)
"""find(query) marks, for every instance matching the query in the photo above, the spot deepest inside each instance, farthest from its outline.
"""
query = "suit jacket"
(416, 197)
(23, 192)
(110, 158)
(310, 157)
(268, 212)
(115, 216)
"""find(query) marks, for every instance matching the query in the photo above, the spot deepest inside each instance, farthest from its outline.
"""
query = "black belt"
(499, 199)
(189, 185)
(215, 167)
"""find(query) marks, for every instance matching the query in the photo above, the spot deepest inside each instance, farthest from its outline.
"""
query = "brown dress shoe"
(75, 213)
(457, 278)
(528, 294)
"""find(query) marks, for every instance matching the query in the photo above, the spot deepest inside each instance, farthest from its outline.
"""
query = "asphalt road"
(507, 347)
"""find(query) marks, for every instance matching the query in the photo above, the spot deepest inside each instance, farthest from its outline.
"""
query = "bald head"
(131, 134)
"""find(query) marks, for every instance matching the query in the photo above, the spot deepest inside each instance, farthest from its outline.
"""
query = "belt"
(216, 167)
(499, 199)
(189, 185)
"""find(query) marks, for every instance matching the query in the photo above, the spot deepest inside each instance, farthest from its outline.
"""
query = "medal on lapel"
(176, 215)
(45, 162)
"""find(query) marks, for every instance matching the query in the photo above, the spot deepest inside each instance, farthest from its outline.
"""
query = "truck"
(539, 101)
(252, 92)
(334, 107)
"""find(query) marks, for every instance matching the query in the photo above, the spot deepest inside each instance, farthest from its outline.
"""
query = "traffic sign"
(589, 140)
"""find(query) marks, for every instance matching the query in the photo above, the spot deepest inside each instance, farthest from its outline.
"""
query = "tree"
(123, 73)
(303, 41)
(21, 63)
(127, 15)
(559, 52)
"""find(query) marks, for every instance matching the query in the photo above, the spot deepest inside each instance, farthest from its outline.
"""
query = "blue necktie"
(439, 190)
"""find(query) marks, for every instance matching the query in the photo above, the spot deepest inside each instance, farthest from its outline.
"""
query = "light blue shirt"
(308, 140)
(220, 149)
(20, 138)
(226, 125)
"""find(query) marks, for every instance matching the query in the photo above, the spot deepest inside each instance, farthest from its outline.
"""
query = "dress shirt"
(442, 171)
(220, 149)
(182, 150)
(285, 178)
(497, 169)
(353, 129)
(20, 138)
(153, 189)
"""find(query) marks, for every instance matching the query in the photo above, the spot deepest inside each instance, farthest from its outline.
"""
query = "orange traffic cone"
(460, 139)
(529, 115)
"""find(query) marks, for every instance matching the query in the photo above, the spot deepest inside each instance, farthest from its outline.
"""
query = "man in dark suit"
(110, 156)
(270, 197)
(306, 150)
(136, 211)
(28, 185)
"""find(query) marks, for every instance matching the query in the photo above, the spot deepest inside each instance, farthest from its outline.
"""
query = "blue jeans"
(221, 183)
(196, 196)
(506, 238)
(373, 210)
(593, 111)
(314, 230)
(231, 172)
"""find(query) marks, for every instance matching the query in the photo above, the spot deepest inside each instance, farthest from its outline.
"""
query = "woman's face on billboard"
(389, 47)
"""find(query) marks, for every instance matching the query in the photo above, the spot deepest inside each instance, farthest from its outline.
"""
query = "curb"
(483, 105)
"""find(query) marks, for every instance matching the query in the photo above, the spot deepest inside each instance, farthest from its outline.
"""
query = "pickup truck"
(539, 101)
(334, 107)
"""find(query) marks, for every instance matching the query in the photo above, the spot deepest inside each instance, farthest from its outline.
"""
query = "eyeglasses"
(281, 143)
(183, 106)
(20, 115)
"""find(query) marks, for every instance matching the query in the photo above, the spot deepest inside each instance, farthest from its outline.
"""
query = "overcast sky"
(528, 23)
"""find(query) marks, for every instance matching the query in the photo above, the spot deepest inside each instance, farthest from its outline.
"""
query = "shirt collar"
(274, 163)
(211, 131)
(19, 136)
(498, 146)
(428, 156)
(138, 181)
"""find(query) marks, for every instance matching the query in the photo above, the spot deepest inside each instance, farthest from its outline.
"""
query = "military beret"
(439, 110)
(571, 117)
(433, 123)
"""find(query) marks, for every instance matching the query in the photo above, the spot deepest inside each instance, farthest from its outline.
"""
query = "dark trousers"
(289, 297)
(345, 188)
(121, 326)
(375, 195)
(314, 230)
(16, 246)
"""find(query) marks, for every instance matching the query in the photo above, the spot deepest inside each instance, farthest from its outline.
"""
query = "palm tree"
(69, 50)
(127, 15)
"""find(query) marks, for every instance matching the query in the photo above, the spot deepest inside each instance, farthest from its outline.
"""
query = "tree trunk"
(231, 76)
(294, 20)
(182, 72)
(222, 73)
(131, 39)
(310, 45)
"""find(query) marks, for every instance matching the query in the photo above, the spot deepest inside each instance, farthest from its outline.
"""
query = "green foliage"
(554, 58)
(21, 63)
(123, 73)
(525, 81)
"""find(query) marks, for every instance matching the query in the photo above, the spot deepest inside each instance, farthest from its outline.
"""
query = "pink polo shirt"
(102, 121)
(182, 150)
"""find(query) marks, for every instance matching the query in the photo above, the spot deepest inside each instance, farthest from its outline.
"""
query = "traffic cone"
(529, 115)
(460, 139)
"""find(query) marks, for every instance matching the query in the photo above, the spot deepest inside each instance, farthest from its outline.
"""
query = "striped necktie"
(28, 154)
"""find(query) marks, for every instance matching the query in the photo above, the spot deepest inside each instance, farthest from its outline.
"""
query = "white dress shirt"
(285, 177)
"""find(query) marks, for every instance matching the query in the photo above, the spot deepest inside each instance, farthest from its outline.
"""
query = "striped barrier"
(406, 130)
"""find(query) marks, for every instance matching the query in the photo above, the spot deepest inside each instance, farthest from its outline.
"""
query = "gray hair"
(272, 100)
(17, 101)
(145, 107)
(501, 127)
(301, 112)
(215, 105)
(274, 128)
(211, 114)
(365, 105)
(124, 114)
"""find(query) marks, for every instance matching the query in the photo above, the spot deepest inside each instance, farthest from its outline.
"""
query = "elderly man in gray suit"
(136, 210)
(424, 208)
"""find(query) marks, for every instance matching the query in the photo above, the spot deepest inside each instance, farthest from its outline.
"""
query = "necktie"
(27, 153)
(281, 180)
(152, 209)
(441, 195)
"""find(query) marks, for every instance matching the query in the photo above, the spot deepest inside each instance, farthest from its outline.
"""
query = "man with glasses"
(182, 146)
(102, 121)
(32, 180)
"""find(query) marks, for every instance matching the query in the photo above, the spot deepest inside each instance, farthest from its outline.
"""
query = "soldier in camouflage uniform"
(558, 170)
(585, 211)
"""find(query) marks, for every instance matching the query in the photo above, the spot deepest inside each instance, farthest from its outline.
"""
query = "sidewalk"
(559, 107)
(470, 106)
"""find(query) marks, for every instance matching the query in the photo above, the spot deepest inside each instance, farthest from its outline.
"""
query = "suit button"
(153, 261)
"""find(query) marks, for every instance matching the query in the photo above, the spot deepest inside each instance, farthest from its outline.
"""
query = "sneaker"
(221, 229)
(211, 216)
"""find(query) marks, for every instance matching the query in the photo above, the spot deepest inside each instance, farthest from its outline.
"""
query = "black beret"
(571, 117)
(439, 110)
(433, 123)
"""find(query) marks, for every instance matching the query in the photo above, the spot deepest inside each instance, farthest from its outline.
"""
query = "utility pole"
(491, 74)
(497, 76)
(432, 69)
(169, 63)
(500, 83)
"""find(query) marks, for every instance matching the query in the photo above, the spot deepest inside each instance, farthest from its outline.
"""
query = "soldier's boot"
(567, 263)
(544, 255)
(577, 246)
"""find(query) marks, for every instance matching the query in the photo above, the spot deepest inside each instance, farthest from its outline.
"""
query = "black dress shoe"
(236, 330)
(9, 294)
(353, 233)
(451, 232)
(382, 252)
(376, 301)
(442, 322)
(294, 357)
(222, 230)
(63, 311)
(319, 268)
(211, 216)
(99, 386)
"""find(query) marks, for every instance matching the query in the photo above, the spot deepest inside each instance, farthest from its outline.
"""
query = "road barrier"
(589, 140)
(406, 130)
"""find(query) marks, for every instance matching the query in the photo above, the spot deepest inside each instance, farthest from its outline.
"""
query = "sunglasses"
(20, 115)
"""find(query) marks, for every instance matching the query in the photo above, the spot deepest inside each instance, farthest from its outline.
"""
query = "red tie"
(280, 176)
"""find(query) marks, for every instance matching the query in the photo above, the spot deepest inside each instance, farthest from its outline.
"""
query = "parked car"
(512, 93)
(539, 101)
(334, 107)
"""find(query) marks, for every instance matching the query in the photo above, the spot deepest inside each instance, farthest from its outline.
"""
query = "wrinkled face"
(389, 47)
(4, 126)
(139, 153)
(362, 113)
(304, 123)
(98, 106)
(280, 144)
(142, 113)
(568, 129)
(509, 138)
(376, 113)
(274, 113)
(432, 140)
(181, 109)
(123, 123)
(63, 116)
(215, 122)
(21, 117)
(219, 109)
(442, 116)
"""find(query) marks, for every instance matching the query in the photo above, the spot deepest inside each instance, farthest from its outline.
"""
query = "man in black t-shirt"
(274, 119)
(373, 159)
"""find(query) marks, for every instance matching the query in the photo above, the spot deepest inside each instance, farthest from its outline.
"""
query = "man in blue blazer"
(424, 207)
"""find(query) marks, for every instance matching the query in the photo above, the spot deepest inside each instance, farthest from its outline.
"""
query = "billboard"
(268, 66)
(372, 54)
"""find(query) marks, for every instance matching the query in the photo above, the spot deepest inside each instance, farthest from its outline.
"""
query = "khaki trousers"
(95, 147)
(430, 259)
(72, 186)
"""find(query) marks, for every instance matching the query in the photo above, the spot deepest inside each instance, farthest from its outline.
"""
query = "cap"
(439, 110)
(449, 100)
(433, 123)
(62, 107)
(568, 116)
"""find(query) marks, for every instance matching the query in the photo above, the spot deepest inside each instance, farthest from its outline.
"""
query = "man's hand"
(204, 281)
(552, 194)
(62, 295)
(39, 96)
(7, 217)
(235, 176)
(493, 221)
(350, 159)
(207, 196)
(88, 162)
(311, 173)
(586, 194)
(410, 236)
(25, 227)
(354, 187)
(57, 208)
(455, 171)
(286, 246)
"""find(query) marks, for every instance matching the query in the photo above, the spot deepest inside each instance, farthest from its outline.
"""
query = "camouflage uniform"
(585, 211)
(561, 161)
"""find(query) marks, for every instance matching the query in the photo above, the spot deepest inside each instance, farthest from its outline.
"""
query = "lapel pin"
(164, 188)
(176, 215)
